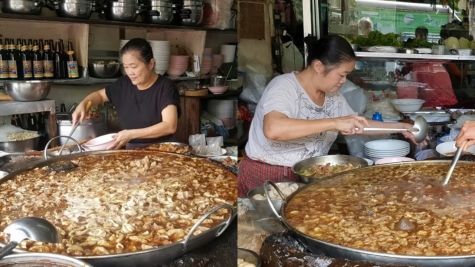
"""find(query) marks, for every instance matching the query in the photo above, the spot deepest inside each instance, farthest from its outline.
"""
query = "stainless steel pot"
(150, 257)
(41, 259)
(306, 164)
(337, 251)
(160, 3)
(158, 14)
(192, 2)
(121, 11)
(87, 130)
(30, 7)
(191, 15)
(80, 9)
(20, 146)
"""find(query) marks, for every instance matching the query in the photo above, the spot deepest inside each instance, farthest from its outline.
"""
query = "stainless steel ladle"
(454, 163)
(420, 129)
(33, 228)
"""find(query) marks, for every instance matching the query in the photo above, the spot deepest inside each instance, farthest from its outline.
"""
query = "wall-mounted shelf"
(112, 23)
(14, 107)
(373, 56)
(92, 81)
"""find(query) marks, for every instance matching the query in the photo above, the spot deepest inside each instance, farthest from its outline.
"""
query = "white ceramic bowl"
(449, 149)
(392, 160)
(218, 89)
(100, 143)
(407, 104)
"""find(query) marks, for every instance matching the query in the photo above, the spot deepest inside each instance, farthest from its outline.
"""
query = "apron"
(253, 173)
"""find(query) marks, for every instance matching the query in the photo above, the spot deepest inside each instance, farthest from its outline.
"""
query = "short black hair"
(138, 45)
(331, 50)
(421, 30)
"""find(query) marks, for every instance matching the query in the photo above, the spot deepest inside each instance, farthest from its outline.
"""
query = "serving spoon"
(33, 228)
(419, 130)
(75, 126)
(454, 162)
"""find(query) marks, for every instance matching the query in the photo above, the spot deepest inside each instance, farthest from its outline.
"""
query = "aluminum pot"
(306, 164)
(21, 146)
(338, 251)
(191, 15)
(150, 257)
(29, 7)
(121, 11)
(36, 259)
(158, 14)
(160, 3)
(79, 9)
(87, 130)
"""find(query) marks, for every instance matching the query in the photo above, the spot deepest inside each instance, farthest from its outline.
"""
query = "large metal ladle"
(454, 163)
(420, 129)
(33, 228)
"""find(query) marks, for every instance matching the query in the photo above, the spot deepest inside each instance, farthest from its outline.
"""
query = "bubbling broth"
(398, 209)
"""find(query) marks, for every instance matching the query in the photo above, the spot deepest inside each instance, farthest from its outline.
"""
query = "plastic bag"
(387, 110)
(355, 96)
(292, 59)
(217, 14)
(255, 81)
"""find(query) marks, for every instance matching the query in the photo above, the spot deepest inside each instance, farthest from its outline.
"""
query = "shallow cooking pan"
(319, 246)
(150, 257)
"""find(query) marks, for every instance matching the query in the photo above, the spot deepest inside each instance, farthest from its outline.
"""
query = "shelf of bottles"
(37, 59)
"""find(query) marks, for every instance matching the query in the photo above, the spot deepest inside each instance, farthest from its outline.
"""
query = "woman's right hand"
(79, 113)
(352, 124)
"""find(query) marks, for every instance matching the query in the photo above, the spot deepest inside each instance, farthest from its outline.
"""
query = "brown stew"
(398, 209)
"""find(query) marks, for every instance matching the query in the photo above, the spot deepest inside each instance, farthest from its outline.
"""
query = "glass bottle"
(41, 47)
(18, 44)
(59, 71)
(12, 61)
(48, 63)
(73, 71)
(3, 62)
(25, 57)
(36, 58)
(30, 45)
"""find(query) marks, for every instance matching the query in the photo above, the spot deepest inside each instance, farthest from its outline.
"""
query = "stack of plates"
(386, 148)
(161, 54)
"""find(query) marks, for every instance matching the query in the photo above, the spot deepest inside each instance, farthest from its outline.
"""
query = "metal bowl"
(305, 164)
(29, 7)
(249, 256)
(262, 206)
(103, 70)
(26, 91)
(41, 259)
(80, 9)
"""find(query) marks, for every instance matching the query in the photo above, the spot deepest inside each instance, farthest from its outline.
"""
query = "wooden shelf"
(119, 24)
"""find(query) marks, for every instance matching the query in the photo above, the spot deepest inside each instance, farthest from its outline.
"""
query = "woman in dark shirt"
(147, 104)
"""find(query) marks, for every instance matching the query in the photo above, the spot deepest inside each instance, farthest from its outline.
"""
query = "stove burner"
(284, 250)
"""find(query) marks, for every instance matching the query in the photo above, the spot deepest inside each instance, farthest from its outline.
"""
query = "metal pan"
(337, 251)
(306, 164)
(150, 257)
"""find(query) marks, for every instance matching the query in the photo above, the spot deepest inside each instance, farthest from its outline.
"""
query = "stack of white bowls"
(379, 149)
(161, 54)
(207, 61)
(178, 65)
(122, 43)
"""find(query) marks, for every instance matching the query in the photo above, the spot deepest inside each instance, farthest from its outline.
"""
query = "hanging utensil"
(33, 228)
(229, 71)
(454, 162)
(88, 106)
(420, 129)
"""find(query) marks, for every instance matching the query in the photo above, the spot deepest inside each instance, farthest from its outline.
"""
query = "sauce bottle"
(3, 63)
(25, 56)
(48, 63)
(12, 61)
(73, 71)
(59, 71)
(37, 60)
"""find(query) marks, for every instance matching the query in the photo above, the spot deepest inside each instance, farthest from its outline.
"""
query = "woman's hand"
(410, 135)
(79, 113)
(467, 133)
(121, 139)
(352, 124)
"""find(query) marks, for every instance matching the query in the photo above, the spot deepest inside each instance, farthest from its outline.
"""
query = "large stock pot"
(153, 256)
(425, 178)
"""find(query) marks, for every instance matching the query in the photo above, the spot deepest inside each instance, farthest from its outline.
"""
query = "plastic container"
(377, 116)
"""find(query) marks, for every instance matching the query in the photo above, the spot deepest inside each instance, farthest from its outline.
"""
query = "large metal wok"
(338, 251)
(150, 257)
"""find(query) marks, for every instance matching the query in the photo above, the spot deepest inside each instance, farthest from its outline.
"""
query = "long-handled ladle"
(33, 228)
(454, 162)
(419, 130)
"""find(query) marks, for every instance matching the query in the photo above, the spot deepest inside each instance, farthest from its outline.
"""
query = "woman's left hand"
(121, 139)
(410, 136)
